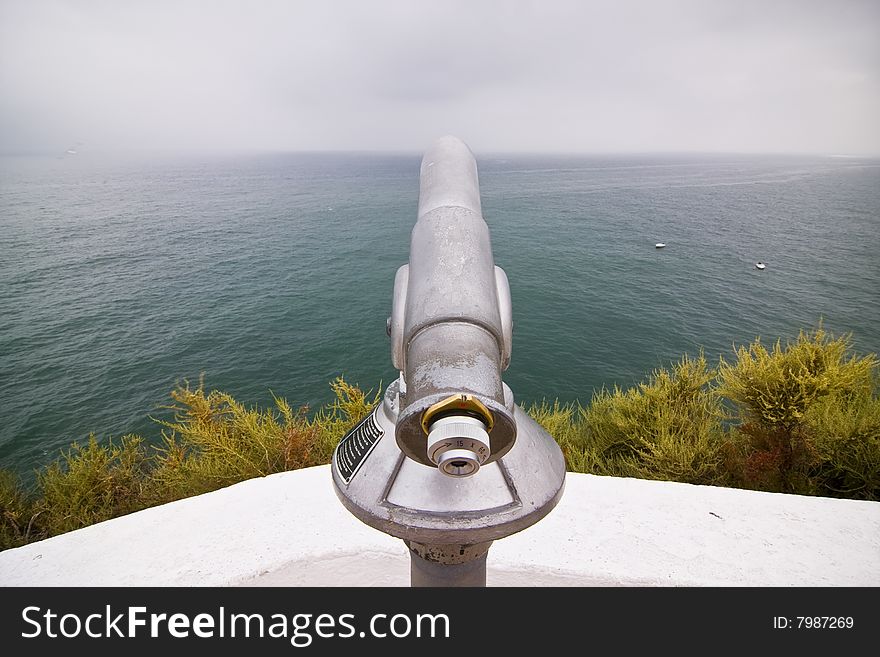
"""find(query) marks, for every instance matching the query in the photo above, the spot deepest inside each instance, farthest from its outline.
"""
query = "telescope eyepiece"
(458, 445)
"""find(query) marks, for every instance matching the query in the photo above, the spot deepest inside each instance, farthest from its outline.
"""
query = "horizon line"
(66, 153)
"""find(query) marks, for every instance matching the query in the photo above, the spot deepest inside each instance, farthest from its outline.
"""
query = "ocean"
(272, 273)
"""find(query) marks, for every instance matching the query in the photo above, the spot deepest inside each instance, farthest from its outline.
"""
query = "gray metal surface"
(451, 332)
(448, 565)
(450, 323)
(415, 502)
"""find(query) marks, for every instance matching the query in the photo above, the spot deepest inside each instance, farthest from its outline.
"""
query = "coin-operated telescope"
(447, 462)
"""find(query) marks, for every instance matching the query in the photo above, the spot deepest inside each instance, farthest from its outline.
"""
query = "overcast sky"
(547, 75)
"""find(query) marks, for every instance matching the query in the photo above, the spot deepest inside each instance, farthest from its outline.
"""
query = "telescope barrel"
(451, 333)
(451, 324)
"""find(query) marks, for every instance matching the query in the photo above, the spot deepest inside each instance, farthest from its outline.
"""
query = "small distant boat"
(659, 245)
(71, 151)
(760, 265)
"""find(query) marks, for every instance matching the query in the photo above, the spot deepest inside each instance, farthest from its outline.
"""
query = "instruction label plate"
(357, 444)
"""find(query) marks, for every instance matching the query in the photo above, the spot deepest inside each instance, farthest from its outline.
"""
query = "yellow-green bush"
(212, 441)
(845, 431)
(91, 483)
(564, 423)
(668, 427)
(807, 413)
(350, 405)
(16, 512)
(806, 419)
(777, 387)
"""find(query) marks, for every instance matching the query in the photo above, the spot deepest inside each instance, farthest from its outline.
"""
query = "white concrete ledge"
(290, 530)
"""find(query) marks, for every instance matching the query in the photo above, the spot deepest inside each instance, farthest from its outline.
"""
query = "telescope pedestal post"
(448, 565)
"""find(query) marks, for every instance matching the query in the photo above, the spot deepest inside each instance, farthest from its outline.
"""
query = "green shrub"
(214, 441)
(807, 421)
(776, 388)
(845, 429)
(91, 483)
(777, 447)
(564, 423)
(668, 427)
(16, 512)
(349, 406)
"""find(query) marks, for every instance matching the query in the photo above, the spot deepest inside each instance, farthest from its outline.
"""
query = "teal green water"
(273, 273)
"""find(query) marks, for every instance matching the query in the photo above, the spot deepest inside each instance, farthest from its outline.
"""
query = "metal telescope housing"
(447, 462)
(451, 324)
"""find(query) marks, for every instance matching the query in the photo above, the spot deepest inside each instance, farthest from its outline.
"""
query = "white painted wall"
(289, 529)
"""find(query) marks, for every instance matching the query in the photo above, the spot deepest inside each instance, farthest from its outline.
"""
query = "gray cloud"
(632, 75)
